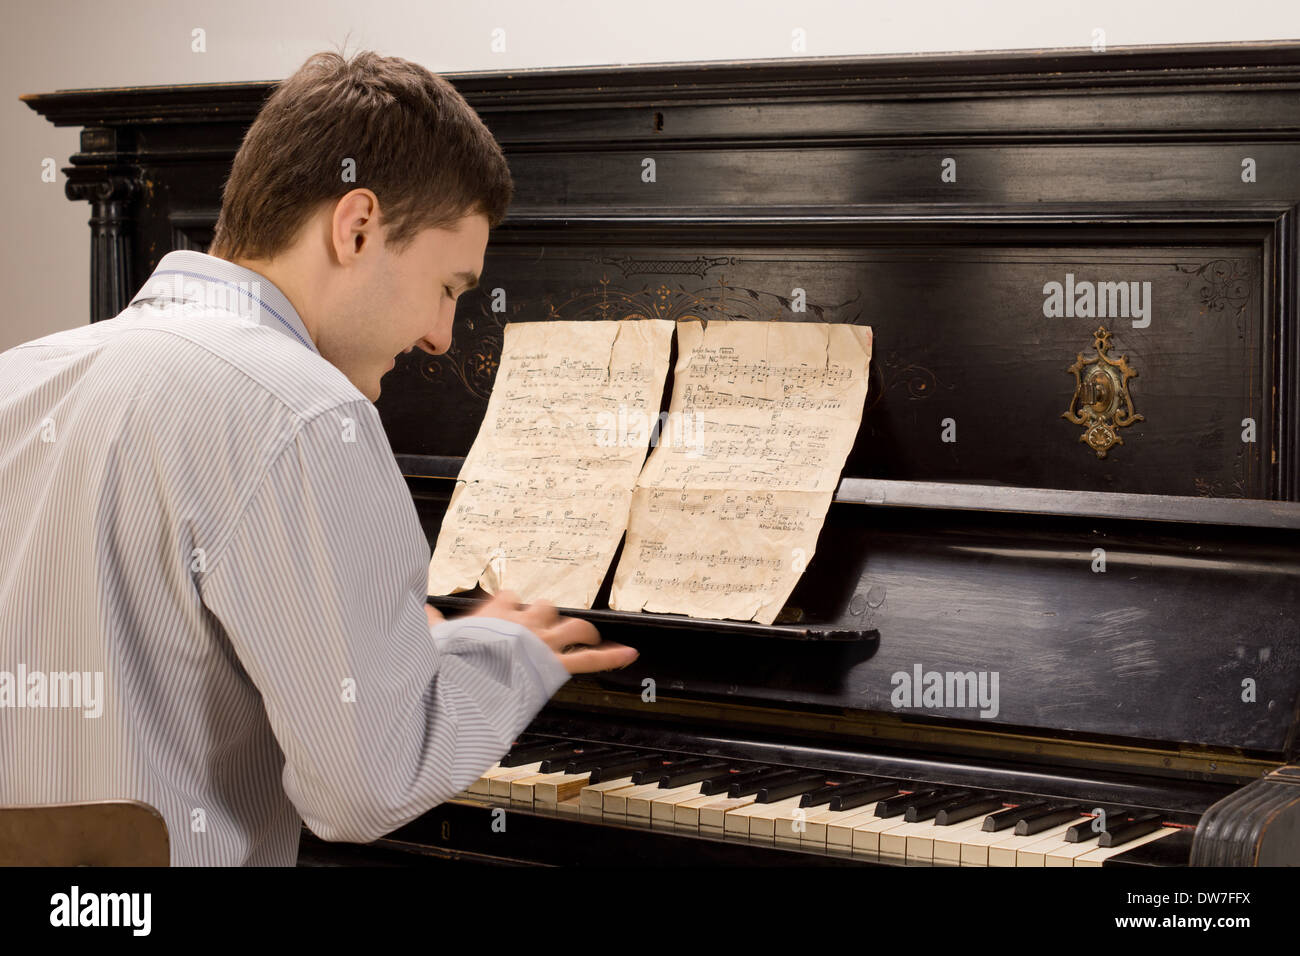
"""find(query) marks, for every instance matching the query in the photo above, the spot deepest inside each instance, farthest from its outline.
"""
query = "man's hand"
(574, 641)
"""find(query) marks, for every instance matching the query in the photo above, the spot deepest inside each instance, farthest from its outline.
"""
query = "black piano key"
(1082, 832)
(926, 809)
(801, 784)
(624, 767)
(743, 788)
(591, 759)
(897, 805)
(705, 771)
(1119, 832)
(531, 753)
(1045, 819)
(860, 797)
(721, 787)
(558, 762)
(966, 809)
(815, 798)
(718, 782)
(652, 774)
(1011, 816)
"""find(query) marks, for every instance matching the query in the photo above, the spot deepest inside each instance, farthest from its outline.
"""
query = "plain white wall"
(92, 43)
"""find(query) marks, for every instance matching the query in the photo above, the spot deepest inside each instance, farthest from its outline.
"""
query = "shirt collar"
(189, 276)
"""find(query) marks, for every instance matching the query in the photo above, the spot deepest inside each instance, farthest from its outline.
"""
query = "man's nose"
(438, 341)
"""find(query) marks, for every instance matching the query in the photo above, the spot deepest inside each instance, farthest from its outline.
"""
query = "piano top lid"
(1235, 65)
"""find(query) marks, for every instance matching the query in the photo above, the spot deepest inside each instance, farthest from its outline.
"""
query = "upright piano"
(1053, 617)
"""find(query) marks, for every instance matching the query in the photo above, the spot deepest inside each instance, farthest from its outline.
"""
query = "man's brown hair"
(414, 140)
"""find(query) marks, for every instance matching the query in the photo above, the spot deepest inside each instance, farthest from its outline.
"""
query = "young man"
(212, 576)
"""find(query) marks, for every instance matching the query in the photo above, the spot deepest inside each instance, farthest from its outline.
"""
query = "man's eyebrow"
(469, 278)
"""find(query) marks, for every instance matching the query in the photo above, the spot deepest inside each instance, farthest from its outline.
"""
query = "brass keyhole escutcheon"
(1101, 403)
(1099, 394)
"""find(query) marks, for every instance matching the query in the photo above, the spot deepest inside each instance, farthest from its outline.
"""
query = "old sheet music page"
(542, 498)
(726, 513)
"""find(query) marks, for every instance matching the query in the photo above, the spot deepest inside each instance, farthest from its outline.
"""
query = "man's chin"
(372, 388)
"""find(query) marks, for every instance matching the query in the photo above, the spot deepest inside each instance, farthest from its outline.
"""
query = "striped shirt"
(204, 520)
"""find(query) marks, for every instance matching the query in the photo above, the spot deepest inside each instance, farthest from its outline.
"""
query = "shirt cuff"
(550, 673)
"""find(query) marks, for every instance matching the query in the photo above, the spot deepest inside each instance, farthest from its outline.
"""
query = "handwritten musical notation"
(543, 496)
(762, 419)
(724, 515)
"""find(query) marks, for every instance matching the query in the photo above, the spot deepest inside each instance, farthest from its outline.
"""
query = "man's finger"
(605, 657)
(494, 604)
(435, 616)
(539, 615)
(569, 631)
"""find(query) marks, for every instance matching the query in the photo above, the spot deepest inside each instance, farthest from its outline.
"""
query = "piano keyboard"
(868, 818)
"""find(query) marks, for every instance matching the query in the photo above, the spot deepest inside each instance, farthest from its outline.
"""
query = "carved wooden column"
(111, 196)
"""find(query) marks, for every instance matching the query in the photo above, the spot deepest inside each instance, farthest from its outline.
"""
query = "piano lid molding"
(894, 80)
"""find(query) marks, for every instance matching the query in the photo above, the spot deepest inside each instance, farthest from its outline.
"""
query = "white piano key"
(866, 836)
(786, 831)
(1066, 853)
(570, 807)
(792, 829)
(762, 820)
(593, 793)
(921, 843)
(480, 786)
(663, 809)
(1004, 853)
(713, 816)
(499, 784)
(1098, 856)
(615, 801)
(547, 789)
(892, 843)
(1035, 854)
(973, 848)
(840, 832)
(638, 805)
(686, 814)
(559, 787)
(521, 790)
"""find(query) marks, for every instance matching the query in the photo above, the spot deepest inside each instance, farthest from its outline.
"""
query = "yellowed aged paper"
(542, 498)
(726, 512)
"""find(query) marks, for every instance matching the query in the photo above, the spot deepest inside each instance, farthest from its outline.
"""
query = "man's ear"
(354, 223)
